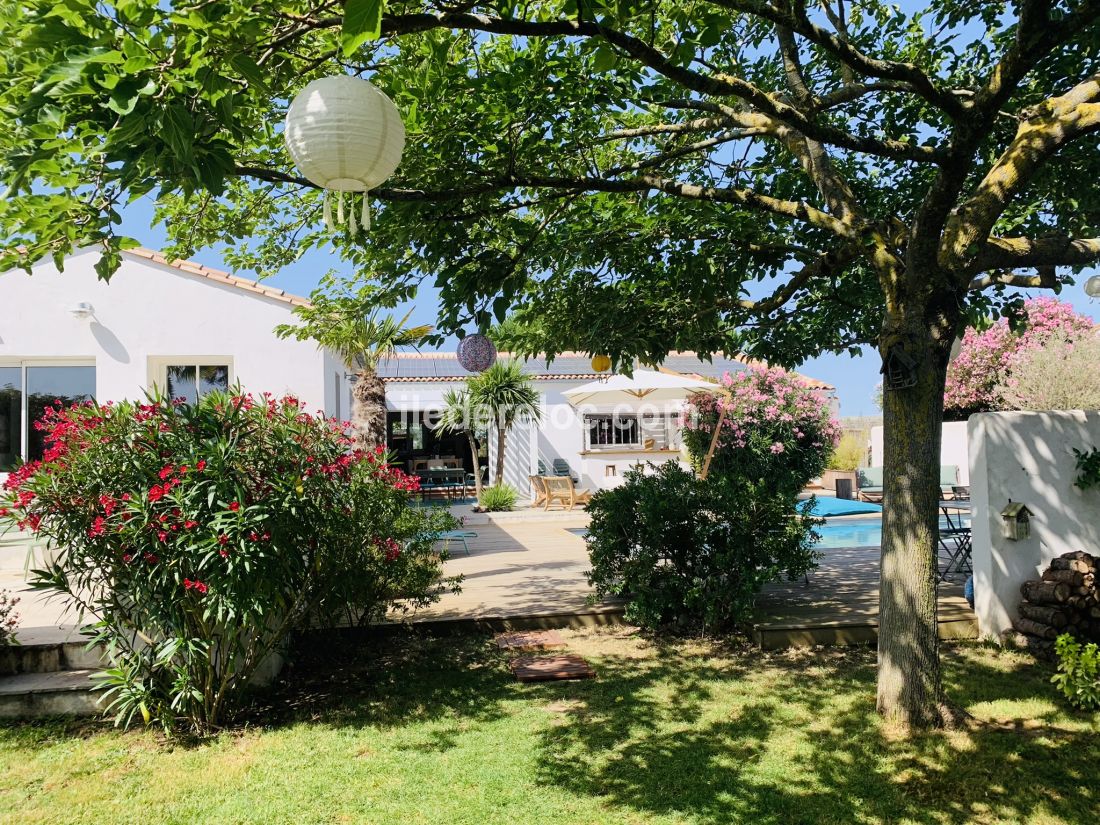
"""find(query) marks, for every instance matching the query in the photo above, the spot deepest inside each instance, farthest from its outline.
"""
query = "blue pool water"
(850, 532)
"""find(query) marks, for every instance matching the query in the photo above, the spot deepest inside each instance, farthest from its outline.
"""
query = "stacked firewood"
(1065, 600)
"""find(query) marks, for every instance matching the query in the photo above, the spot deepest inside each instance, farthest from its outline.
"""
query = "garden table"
(955, 539)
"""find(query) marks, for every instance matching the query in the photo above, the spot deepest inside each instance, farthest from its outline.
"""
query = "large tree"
(632, 176)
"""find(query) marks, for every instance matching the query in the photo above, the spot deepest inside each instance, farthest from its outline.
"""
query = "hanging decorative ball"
(476, 353)
(346, 136)
(601, 363)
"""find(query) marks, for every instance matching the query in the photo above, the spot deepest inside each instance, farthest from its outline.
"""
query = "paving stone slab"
(551, 668)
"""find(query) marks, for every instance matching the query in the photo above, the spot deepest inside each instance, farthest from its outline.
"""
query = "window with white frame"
(611, 431)
(645, 431)
(190, 379)
(27, 388)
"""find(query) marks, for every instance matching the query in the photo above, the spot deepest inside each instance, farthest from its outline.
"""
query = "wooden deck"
(839, 606)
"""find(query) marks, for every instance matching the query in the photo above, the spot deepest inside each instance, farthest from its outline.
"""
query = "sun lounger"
(561, 489)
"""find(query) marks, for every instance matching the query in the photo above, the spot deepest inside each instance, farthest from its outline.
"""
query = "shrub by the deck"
(686, 554)
(196, 539)
(692, 552)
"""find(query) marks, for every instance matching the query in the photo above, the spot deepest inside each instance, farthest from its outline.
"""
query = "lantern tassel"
(353, 226)
(340, 207)
(327, 211)
(366, 212)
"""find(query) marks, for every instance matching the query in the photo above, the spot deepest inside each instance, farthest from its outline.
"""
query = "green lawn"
(435, 731)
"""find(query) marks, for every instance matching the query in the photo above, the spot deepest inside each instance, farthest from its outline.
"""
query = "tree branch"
(1045, 279)
(825, 265)
(796, 18)
(715, 85)
(790, 210)
(1045, 129)
(1027, 253)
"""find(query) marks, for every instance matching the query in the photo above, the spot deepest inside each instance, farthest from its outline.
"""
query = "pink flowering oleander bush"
(196, 539)
(987, 358)
(777, 434)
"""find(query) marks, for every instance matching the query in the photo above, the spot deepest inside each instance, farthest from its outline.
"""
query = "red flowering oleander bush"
(198, 538)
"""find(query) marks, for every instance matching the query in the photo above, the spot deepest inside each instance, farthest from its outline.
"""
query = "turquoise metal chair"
(457, 535)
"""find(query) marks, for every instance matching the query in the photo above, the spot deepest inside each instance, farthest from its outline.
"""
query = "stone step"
(48, 657)
(60, 693)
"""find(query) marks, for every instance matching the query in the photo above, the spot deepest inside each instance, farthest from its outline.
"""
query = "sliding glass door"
(11, 417)
(26, 390)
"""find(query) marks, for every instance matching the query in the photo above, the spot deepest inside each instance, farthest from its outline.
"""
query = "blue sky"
(854, 377)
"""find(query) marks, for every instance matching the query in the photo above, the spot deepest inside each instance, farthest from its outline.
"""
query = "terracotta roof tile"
(218, 276)
(430, 379)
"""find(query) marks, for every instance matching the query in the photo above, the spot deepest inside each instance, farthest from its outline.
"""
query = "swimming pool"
(849, 532)
(855, 532)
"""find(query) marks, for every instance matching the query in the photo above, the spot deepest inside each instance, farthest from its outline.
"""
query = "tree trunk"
(368, 410)
(477, 466)
(910, 689)
(502, 435)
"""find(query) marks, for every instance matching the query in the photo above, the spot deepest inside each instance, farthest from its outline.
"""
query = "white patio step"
(48, 657)
(59, 693)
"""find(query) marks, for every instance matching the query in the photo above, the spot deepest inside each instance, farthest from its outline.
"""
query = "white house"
(188, 328)
(597, 444)
(181, 326)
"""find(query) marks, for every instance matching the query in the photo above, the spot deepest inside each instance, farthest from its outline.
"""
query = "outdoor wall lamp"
(82, 311)
(1016, 521)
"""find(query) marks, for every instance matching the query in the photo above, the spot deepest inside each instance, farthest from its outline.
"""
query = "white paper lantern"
(1092, 286)
(344, 135)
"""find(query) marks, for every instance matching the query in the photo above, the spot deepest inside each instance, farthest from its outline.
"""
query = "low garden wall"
(953, 449)
(1027, 457)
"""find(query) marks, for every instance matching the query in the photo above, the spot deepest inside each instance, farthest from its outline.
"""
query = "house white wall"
(559, 434)
(150, 311)
(953, 450)
(1027, 457)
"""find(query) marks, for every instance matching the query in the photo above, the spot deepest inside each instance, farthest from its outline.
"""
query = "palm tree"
(506, 393)
(457, 416)
(363, 342)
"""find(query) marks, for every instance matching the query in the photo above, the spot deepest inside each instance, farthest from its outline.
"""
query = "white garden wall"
(953, 450)
(1027, 457)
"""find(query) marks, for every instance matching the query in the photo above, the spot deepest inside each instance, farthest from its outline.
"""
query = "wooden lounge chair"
(538, 485)
(561, 489)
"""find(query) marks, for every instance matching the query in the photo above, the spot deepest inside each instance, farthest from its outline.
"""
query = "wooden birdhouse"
(1016, 521)
(899, 371)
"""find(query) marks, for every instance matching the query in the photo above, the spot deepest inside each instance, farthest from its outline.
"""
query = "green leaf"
(362, 22)
(249, 69)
